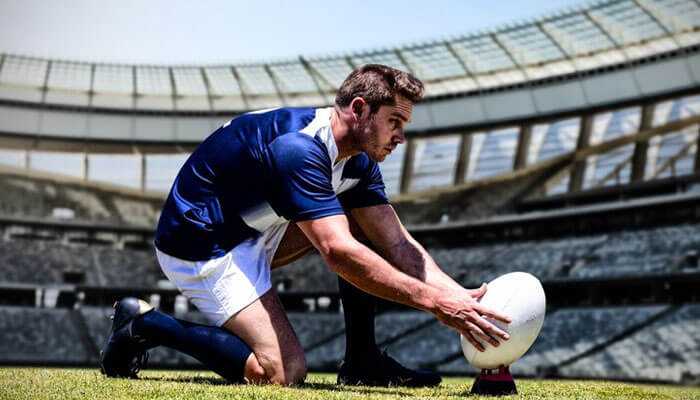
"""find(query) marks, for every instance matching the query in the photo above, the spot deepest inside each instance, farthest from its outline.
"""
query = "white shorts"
(223, 286)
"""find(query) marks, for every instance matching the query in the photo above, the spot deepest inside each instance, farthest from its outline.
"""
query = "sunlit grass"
(65, 383)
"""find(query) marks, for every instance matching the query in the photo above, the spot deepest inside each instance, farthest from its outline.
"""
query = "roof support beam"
(44, 92)
(91, 90)
(91, 96)
(641, 148)
(313, 74)
(520, 160)
(614, 173)
(579, 168)
(144, 175)
(45, 85)
(670, 163)
(173, 87)
(407, 167)
(696, 163)
(349, 60)
(652, 14)
(461, 61)
(207, 86)
(135, 87)
(604, 30)
(397, 51)
(508, 53)
(462, 166)
(554, 41)
(3, 56)
(275, 84)
(244, 95)
(86, 166)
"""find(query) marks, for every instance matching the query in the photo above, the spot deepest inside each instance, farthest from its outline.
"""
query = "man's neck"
(344, 140)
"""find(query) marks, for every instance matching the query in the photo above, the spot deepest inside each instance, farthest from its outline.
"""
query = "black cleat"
(385, 371)
(124, 353)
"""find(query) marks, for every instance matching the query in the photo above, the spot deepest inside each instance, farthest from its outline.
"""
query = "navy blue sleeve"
(369, 191)
(303, 178)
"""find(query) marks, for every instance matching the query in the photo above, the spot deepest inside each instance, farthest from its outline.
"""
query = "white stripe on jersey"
(261, 217)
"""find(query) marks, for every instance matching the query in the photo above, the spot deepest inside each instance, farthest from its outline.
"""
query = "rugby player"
(267, 188)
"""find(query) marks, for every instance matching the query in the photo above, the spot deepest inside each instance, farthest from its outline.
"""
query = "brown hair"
(378, 85)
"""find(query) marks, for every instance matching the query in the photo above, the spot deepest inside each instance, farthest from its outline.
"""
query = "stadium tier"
(44, 197)
(665, 350)
(661, 250)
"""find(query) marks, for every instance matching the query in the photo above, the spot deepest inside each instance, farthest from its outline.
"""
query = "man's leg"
(264, 326)
(364, 363)
(257, 343)
(137, 327)
(252, 337)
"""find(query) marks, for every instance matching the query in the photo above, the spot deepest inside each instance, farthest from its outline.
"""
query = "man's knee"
(287, 370)
(295, 370)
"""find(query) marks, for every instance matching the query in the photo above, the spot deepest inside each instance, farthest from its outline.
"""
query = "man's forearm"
(365, 269)
(410, 257)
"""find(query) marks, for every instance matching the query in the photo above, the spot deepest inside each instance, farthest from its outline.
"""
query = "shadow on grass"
(316, 386)
(200, 380)
(332, 387)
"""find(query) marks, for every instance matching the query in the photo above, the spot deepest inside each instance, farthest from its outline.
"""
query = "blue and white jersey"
(256, 173)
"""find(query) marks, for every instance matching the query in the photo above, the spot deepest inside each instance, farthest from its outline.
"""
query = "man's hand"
(460, 310)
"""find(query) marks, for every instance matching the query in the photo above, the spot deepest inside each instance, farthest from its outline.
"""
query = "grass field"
(62, 383)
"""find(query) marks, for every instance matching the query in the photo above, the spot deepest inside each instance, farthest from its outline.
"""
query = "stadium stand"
(46, 196)
(34, 335)
(666, 350)
(561, 339)
(660, 250)
(44, 262)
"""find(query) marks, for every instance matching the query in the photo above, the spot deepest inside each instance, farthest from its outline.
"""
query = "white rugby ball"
(520, 296)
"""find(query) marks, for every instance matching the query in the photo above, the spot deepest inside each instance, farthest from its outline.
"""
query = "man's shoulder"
(297, 149)
(358, 166)
(283, 117)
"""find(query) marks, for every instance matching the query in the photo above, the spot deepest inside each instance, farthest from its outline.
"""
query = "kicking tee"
(254, 175)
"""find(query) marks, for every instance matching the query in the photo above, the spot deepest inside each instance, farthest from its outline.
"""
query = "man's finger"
(492, 314)
(490, 328)
(474, 342)
(489, 339)
(478, 332)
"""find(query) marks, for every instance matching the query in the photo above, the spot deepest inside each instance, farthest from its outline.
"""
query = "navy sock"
(358, 310)
(218, 349)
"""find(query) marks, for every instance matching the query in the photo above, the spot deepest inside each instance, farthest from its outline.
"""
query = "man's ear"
(358, 105)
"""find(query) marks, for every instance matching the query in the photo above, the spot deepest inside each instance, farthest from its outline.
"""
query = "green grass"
(62, 383)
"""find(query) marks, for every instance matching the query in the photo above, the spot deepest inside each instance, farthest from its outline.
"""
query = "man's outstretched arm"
(370, 272)
(391, 240)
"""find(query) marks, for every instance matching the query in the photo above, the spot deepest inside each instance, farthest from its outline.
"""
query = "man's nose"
(401, 137)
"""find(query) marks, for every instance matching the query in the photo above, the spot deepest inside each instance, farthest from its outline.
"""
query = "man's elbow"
(337, 253)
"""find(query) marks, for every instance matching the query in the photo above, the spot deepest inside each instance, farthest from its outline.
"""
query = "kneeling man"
(262, 191)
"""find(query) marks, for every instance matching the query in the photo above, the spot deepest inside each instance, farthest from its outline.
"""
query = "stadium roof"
(573, 41)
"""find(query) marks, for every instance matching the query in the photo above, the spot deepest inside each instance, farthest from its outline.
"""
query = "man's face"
(380, 133)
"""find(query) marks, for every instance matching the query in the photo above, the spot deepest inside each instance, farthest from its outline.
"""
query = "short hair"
(378, 85)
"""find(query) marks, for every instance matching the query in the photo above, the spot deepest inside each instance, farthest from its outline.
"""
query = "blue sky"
(208, 31)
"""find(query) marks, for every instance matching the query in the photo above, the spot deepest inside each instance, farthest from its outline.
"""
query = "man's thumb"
(477, 293)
